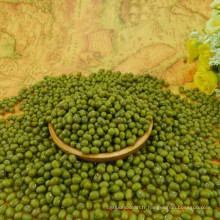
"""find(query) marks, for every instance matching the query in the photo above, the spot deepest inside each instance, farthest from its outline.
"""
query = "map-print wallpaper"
(52, 37)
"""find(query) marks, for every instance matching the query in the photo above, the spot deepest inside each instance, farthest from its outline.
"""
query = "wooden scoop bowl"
(101, 157)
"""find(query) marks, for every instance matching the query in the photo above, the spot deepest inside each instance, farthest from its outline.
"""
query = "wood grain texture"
(101, 157)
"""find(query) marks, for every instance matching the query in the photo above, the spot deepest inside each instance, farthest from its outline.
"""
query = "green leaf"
(197, 44)
(203, 30)
(218, 76)
(196, 58)
(215, 68)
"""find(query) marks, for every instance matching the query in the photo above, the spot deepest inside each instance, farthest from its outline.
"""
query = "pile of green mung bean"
(175, 169)
(99, 121)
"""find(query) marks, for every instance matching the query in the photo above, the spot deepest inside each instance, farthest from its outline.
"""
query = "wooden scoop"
(101, 157)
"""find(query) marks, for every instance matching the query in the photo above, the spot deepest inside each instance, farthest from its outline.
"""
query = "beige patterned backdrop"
(51, 37)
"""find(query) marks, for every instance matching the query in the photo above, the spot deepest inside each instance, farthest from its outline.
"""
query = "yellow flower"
(192, 50)
(204, 55)
(205, 81)
(213, 24)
